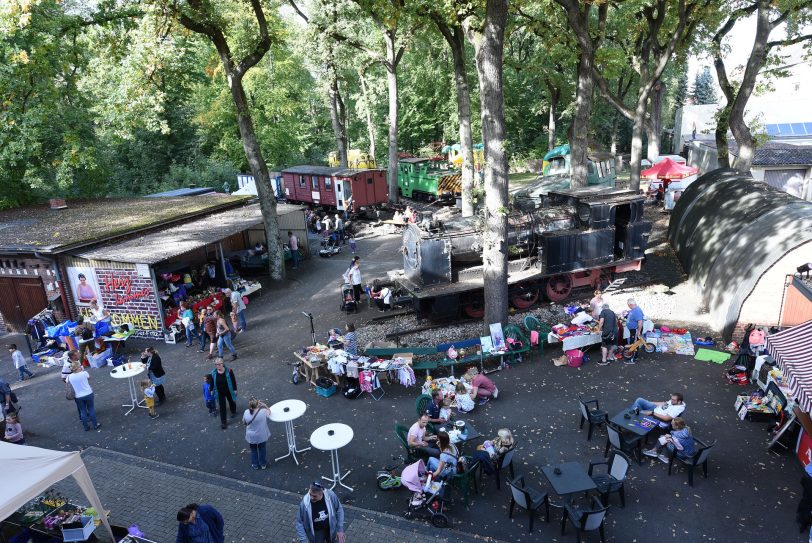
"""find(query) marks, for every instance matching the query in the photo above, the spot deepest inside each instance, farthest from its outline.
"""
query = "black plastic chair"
(502, 462)
(700, 458)
(529, 499)
(595, 417)
(617, 465)
(622, 441)
(463, 481)
(585, 520)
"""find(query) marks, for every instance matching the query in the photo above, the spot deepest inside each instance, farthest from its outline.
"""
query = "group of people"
(210, 323)
(676, 437)
(607, 324)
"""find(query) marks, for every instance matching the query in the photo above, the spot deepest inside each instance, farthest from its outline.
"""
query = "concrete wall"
(806, 191)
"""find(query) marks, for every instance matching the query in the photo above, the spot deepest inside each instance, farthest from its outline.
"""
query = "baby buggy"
(330, 246)
(348, 303)
(428, 497)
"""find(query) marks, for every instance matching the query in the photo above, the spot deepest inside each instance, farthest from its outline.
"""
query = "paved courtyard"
(184, 456)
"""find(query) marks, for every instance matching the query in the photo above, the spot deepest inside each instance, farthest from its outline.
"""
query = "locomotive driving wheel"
(524, 295)
(474, 308)
(559, 287)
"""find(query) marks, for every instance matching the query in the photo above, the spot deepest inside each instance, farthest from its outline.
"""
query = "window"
(328, 184)
(302, 182)
(315, 182)
(369, 181)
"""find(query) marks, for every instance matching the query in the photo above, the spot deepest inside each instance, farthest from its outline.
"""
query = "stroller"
(348, 298)
(330, 246)
(428, 497)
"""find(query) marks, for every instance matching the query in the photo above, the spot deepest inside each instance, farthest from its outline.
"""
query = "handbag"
(70, 393)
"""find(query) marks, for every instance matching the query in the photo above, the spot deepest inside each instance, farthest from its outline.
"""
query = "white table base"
(135, 401)
(337, 477)
(292, 450)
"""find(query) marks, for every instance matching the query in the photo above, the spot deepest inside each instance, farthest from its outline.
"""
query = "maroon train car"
(338, 188)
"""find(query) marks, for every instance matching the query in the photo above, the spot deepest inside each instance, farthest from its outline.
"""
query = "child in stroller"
(348, 298)
(428, 496)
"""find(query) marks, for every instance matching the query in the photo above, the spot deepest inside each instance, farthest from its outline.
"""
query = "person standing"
(350, 339)
(70, 358)
(328, 225)
(596, 304)
(200, 524)
(340, 229)
(607, 323)
(634, 322)
(293, 243)
(79, 380)
(257, 433)
(238, 306)
(19, 362)
(224, 337)
(225, 390)
(210, 327)
(7, 398)
(321, 516)
(353, 277)
(187, 317)
(155, 370)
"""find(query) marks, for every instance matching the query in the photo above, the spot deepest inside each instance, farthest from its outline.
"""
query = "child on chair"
(679, 440)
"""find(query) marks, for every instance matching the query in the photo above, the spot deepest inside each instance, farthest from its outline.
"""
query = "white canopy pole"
(82, 478)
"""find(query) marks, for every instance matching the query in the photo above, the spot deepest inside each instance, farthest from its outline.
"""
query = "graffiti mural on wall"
(126, 294)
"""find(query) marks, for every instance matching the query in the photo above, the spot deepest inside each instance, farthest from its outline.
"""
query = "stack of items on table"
(51, 515)
(447, 387)
(671, 340)
(762, 406)
(362, 368)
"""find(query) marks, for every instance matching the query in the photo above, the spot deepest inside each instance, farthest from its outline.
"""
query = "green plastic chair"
(462, 481)
(421, 404)
(402, 433)
(532, 324)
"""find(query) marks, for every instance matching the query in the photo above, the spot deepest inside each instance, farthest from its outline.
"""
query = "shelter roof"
(154, 247)
(326, 170)
(86, 222)
(668, 169)
(783, 154)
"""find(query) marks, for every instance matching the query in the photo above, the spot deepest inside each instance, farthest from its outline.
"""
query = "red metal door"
(21, 299)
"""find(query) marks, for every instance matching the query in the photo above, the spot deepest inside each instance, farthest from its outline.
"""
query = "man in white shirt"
(662, 411)
(238, 306)
(340, 229)
(328, 224)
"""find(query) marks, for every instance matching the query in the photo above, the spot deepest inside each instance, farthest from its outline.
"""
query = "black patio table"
(640, 425)
(469, 434)
(572, 478)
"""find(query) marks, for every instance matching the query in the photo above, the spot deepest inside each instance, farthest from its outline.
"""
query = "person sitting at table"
(489, 452)
(434, 407)
(482, 388)
(419, 441)
(664, 412)
(446, 463)
(679, 440)
(465, 403)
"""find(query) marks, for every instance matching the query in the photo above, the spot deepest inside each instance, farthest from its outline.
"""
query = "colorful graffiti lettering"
(117, 318)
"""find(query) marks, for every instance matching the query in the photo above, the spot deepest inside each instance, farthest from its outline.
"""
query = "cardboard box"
(408, 357)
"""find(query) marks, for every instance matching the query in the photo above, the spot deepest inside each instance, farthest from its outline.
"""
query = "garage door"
(21, 299)
(790, 181)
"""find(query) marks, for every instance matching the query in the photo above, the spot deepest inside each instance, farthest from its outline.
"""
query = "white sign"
(743, 411)
(315, 195)
(142, 270)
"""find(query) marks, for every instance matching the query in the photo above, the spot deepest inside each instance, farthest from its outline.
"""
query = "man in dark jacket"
(321, 517)
(200, 524)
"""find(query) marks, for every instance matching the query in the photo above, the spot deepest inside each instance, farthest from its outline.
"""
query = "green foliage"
(704, 91)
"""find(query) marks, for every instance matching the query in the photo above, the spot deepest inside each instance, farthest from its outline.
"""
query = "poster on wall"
(125, 293)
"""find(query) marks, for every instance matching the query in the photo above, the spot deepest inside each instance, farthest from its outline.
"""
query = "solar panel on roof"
(772, 130)
(785, 129)
(808, 127)
(798, 129)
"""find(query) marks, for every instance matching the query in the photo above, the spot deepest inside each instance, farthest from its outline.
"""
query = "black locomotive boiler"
(574, 238)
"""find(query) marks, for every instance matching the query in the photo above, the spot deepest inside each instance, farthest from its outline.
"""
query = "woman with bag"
(155, 370)
(257, 433)
(225, 389)
(78, 390)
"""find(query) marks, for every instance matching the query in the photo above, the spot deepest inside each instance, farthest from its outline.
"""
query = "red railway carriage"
(339, 188)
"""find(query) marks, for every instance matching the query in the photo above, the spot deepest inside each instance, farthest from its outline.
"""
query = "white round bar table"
(287, 411)
(332, 437)
(129, 371)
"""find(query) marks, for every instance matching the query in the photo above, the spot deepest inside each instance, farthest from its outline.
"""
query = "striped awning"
(792, 350)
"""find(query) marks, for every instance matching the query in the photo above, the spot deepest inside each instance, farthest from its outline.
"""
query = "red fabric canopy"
(668, 169)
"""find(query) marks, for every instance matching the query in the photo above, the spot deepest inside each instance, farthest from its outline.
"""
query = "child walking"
(352, 243)
(208, 394)
(148, 388)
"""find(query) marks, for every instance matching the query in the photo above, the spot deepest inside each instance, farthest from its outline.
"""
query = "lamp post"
(312, 330)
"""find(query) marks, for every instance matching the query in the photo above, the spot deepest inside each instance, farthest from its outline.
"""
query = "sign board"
(804, 449)
(126, 293)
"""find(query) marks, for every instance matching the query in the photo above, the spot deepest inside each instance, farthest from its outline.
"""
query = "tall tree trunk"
(456, 42)
(392, 86)
(654, 127)
(555, 96)
(638, 126)
(338, 116)
(259, 169)
(579, 140)
(613, 137)
(489, 49)
(367, 114)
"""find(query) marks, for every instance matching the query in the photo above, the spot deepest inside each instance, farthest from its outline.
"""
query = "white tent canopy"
(30, 471)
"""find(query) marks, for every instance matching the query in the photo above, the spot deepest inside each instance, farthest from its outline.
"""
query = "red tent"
(668, 169)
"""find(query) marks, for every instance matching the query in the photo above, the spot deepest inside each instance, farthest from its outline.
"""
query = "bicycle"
(629, 352)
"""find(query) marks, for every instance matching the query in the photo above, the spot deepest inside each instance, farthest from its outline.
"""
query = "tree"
(794, 16)
(200, 17)
(487, 35)
(681, 94)
(704, 92)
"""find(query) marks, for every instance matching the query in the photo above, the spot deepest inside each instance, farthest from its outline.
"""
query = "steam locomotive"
(570, 238)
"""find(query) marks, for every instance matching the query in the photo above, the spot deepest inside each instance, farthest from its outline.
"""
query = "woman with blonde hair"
(79, 382)
(490, 453)
(257, 433)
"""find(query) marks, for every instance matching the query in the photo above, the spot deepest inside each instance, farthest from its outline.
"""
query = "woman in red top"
(482, 388)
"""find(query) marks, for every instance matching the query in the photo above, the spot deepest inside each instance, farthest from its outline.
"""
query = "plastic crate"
(79, 534)
(326, 392)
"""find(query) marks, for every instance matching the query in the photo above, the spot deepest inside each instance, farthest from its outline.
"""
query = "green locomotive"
(426, 179)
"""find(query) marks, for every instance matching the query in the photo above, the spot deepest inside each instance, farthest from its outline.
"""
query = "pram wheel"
(439, 520)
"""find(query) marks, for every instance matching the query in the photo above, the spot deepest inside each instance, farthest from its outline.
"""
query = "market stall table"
(575, 341)
(332, 437)
(469, 433)
(129, 371)
(640, 425)
(569, 478)
(309, 370)
(287, 411)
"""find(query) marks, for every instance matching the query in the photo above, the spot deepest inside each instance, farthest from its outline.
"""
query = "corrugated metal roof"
(158, 246)
(182, 192)
(327, 170)
(783, 155)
